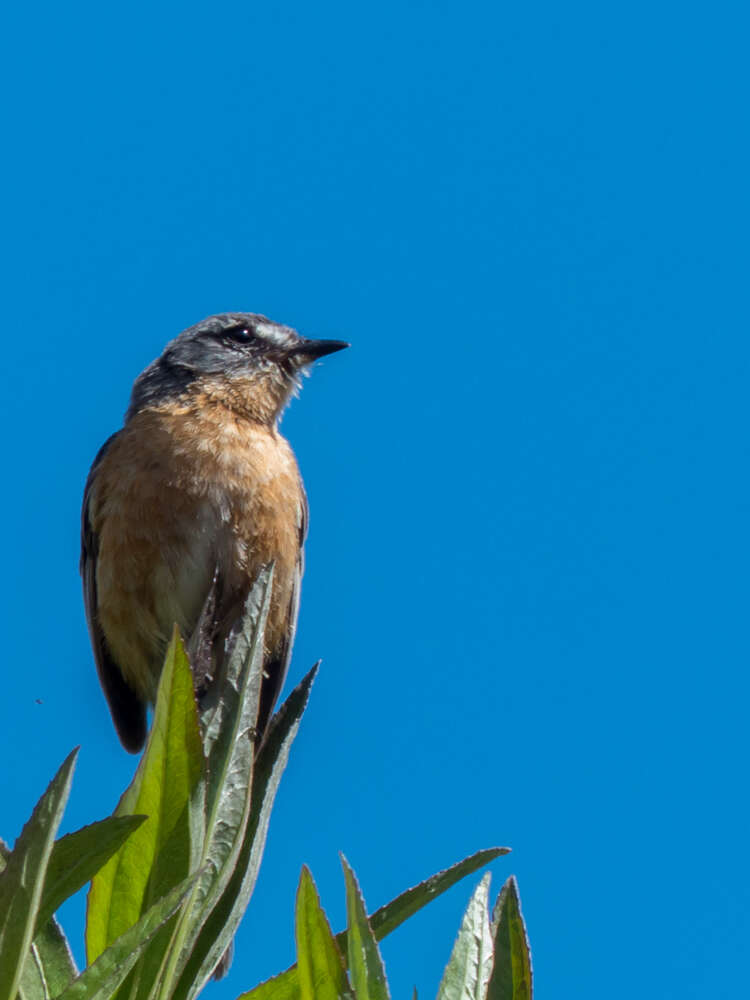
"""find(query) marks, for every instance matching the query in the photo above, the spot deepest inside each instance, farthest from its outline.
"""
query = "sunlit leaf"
(225, 918)
(285, 986)
(230, 745)
(321, 969)
(468, 971)
(166, 788)
(100, 980)
(77, 857)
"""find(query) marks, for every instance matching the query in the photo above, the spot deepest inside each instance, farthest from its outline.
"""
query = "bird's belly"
(179, 516)
(182, 577)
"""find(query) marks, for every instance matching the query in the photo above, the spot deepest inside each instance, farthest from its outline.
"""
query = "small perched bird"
(199, 490)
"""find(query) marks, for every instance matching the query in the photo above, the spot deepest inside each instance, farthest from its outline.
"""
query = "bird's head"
(246, 360)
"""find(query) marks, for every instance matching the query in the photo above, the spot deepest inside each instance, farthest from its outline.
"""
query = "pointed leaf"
(321, 969)
(512, 974)
(468, 971)
(22, 881)
(365, 964)
(77, 857)
(230, 747)
(221, 926)
(285, 986)
(390, 916)
(166, 788)
(217, 705)
(100, 980)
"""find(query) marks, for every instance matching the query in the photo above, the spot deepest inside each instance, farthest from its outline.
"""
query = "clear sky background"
(528, 557)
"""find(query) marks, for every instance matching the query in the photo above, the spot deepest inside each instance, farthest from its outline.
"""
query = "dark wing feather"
(127, 709)
(277, 664)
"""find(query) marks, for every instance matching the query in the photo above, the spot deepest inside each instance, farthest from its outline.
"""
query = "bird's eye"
(240, 334)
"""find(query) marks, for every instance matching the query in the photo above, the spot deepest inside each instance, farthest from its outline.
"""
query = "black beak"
(310, 350)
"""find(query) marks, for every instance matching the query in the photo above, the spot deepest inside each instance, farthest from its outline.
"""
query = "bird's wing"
(128, 711)
(277, 664)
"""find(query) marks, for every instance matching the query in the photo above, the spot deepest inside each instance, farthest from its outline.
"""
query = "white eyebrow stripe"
(275, 334)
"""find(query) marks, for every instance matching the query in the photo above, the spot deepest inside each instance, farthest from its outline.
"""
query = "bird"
(193, 497)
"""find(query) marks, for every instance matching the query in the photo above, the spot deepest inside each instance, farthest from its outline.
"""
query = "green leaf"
(365, 964)
(230, 748)
(100, 980)
(32, 985)
(321, 969)
(468, 971)
(285, 986)
(74, 859)
(166, 788)
(22, 881)
(225, 918)
(77, 857)
(226, 692)
(49, 967)
(511, 976)
(54, 957)
(390, 916)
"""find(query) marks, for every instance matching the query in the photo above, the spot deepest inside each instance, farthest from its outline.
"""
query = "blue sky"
(527, 564)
